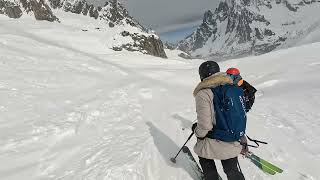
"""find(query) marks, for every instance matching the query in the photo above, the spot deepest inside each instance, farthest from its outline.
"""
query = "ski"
(261, 166)
(268, 164)
(264, 165)
(195, 165)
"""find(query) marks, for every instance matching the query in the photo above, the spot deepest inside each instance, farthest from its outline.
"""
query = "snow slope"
(73, 109)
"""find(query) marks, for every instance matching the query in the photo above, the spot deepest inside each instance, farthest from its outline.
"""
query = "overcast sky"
(172, 18)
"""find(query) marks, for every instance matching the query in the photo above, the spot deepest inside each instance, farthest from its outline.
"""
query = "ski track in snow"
(67, 113)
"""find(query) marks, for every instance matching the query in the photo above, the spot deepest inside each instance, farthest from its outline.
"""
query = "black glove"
(245, 148)
(194, 127)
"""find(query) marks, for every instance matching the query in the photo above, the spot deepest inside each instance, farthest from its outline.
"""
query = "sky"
(178, 34)
(171, 19)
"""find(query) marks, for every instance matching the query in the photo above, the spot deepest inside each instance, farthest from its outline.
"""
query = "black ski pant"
(230, 167)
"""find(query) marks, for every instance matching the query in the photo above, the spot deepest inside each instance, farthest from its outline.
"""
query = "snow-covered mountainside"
(244, 27)
(72, 109)
(131, 35)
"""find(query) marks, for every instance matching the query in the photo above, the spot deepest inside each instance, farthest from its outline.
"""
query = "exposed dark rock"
(81, 7)
(258, 34)
(13, 12)
(185, 56)
(40, 10)
(268, 32)
(115, 13)
(125, 33)
(78, 7)
(289, 23)
(307, 2)
(111, 24)
(93, 12)
(289, 6)
(202, 34)
(170, 46)
(10, 9)
(55, 4)
(117, 48)
(147, 44)
(282, 39)
(154, 46)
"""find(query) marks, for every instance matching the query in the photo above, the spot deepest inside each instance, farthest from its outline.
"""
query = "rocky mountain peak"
(112, 14)
(207, 18)
(243, 27)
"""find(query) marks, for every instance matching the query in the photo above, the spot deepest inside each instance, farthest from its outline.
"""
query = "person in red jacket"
(248, 89)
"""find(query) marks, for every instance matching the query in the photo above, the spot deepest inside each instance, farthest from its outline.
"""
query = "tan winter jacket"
(211, 148)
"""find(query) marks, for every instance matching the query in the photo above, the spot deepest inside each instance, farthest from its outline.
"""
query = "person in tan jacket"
(209, 149)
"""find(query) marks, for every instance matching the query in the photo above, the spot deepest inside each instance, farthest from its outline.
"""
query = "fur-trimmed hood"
(212, 81)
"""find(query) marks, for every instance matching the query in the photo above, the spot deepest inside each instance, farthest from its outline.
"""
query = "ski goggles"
(237, 79)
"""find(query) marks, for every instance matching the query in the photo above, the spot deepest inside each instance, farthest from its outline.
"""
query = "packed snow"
(71, 108)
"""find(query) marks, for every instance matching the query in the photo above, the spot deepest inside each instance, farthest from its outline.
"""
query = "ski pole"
(174, 159)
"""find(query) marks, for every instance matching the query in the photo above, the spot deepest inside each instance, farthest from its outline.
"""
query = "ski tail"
(261, 166)
(268, 164)
(264, 165)
(195, 166)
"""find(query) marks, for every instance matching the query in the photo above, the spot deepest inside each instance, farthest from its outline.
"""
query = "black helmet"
(208, 68)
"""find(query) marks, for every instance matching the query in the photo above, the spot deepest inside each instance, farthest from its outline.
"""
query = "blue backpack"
(230, 113)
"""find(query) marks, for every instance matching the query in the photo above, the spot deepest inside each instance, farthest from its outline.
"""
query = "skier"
(248, 89)
(209, 145)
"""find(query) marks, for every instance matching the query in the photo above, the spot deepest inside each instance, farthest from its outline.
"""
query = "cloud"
(169, 15)
(177, 35)
(177, 26)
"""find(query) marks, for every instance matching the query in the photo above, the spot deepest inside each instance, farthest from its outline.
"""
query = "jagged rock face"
(202, 34)
(239, 28)
(147, 44)
(185, 56)
(10, 9)
(170, 46)
(77, 7)
(39, 8)
(113, 14)
(153, 45)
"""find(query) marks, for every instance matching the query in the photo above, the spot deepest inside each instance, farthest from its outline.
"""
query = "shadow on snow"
(168, 149)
